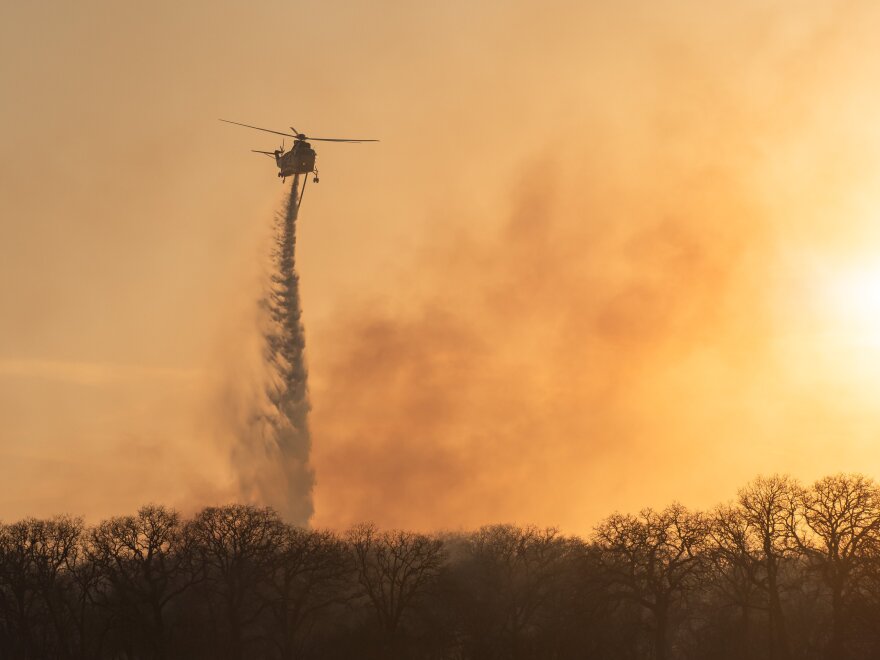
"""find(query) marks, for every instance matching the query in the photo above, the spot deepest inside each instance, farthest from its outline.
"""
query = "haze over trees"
(784, 571)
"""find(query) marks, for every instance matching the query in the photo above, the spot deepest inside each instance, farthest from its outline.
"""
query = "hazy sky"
(604, 257)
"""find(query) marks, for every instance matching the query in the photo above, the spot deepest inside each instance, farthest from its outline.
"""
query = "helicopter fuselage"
(299, 160)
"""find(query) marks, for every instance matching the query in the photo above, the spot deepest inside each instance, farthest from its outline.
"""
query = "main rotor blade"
(339, 140)
(268, 130)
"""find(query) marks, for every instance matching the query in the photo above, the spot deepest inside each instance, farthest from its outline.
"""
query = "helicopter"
(301, 157)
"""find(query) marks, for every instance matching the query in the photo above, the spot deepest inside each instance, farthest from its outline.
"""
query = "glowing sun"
(850, 298)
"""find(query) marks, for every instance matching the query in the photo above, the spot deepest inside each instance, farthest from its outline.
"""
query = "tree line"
(782, 572)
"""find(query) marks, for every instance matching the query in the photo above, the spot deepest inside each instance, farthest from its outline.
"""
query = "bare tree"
(34, 558)
(840, 518)
(653, 559)
(309, 574)
(738, 573)
(235, 547)
(84, 586)
(18, 594)
(514, 573)
(394, 569)
(767, 505)
(142, 558)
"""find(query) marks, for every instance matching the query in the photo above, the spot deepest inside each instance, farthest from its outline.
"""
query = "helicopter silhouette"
(301, 157)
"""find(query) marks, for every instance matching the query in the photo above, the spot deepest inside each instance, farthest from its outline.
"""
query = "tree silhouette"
(394, 569)
(143, 561)
(782, 571)
(840, 518)
(653, 559)
(235, 547)
(310, 572)
(513, 574)
(767, 505)
(738, 574)
(34, 556)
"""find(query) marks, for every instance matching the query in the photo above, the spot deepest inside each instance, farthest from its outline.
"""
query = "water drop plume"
(282, 476)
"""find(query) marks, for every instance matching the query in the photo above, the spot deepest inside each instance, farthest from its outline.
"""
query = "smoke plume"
(606, 255)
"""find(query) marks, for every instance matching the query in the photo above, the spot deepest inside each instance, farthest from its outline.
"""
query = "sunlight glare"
(850, 299)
